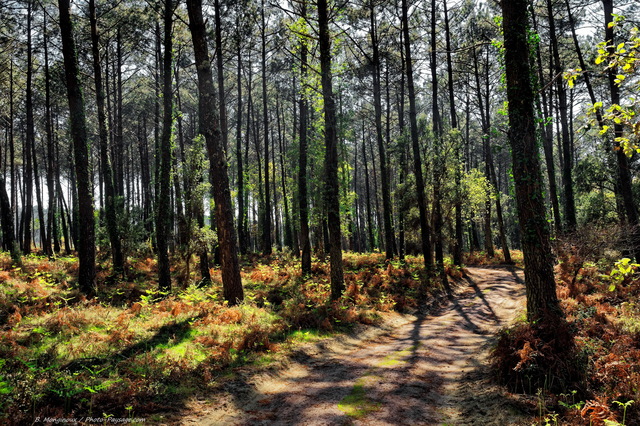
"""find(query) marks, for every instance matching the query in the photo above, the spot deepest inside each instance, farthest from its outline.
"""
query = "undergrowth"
(481, 258)
(595, 380)
(132, 351)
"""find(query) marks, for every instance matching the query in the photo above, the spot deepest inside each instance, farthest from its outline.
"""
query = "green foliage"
(624, 406)
(477, 190)
(622, 270)
(621, 58)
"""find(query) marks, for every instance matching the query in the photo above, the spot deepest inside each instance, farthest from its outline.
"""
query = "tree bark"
(288, 234)
(547, 141)
(29, 142)
(109, 190)
(542, 302)
(457, 244)
(624, 174)
(266, 221)
(86, 235)
(52, 222)
(332, 194)
(242, 237)
(439, 165)
(44, 239)
(209, 127)
(305, 243)
(371, 239)
(486, 138)
(569, 201)
(220, 68)
(163, 212)
(415, 143)
(377, 102)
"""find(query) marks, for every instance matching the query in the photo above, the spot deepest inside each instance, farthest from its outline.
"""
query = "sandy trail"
(430, 370)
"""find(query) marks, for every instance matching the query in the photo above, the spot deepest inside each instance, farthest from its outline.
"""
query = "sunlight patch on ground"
(357, 404)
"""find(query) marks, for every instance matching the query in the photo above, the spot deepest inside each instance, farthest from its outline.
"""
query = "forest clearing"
(320, 212)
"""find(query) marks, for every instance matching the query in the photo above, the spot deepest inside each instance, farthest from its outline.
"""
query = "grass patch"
(357, 405)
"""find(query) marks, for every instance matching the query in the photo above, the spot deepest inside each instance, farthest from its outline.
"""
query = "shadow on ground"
(431, 370)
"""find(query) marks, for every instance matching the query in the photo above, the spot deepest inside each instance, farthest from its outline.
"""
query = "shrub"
(529, 357)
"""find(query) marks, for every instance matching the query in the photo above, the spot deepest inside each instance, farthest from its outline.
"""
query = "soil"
(426, 369)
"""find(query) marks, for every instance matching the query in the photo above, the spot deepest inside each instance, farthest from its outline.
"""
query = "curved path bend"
(429, 370)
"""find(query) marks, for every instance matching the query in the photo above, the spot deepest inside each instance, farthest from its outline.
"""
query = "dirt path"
(431, 370)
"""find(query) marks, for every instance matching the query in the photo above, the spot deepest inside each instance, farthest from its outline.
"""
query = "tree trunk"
(503, 235)
(242, 209)
(415, 143)
(14, 180)
(44, 240)
(305, 243)
(569, 201)
(371, 239)
(457, 244)
(222, 102)
(119, 137)
(547, 141)
(377, 102)
(486, 138)
(209, 127)
(110, 209)
(332, 194)
(439, 164)
(86, 232)
(29, 142)
(163, 212)
(624, 174)
(403, 153)
(266, 221)
(8, 235)
(52, 222)
(542, 302)
(288, 234)
(583, 66)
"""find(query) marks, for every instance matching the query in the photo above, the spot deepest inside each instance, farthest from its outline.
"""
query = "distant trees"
(105, 158)
(414, 152)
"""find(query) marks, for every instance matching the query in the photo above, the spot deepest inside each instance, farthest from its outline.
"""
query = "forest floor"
(429, 368)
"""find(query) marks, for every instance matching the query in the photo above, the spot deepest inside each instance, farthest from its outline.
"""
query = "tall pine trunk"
(107, 171)
(163, 204)
(305, 243)
(457, 244)
(439, 170)
(209, 127)
(29, 141)
(542, 302)
(624, 174)
(415, 143)
(86, 232)
(377, 102)
(266, 221)
(52, 222)
(332, 194)
(569, 200)
(242, 209)
(547, 140)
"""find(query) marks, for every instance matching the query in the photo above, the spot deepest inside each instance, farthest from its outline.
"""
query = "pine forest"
(312, 212)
